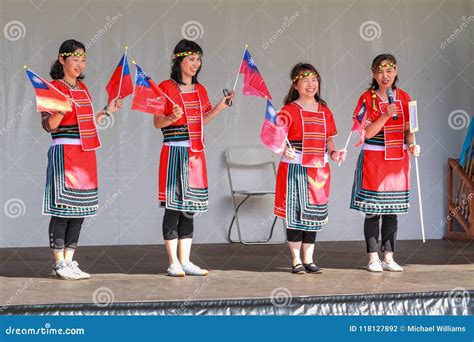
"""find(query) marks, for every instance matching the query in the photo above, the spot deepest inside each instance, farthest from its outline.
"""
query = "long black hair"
(375, 64)
(184, 45)
(298, 69)
(70, 45)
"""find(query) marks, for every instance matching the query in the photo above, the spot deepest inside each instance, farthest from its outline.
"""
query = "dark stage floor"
(137, 273)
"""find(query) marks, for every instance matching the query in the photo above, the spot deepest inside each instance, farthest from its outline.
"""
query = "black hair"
(375, 64)
(298, 69)
(70, 45)
(184, 45)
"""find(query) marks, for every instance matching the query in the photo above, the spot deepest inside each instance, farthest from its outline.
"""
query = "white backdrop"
(433, 41)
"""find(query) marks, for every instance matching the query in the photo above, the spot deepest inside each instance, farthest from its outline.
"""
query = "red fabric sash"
(85, 119)
(314, 138)
(394, 133)
(192, 110)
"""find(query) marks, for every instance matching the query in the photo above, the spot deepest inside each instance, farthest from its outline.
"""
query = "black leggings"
(296, 235)
(178, 225)
(389, 232)
(64, 232)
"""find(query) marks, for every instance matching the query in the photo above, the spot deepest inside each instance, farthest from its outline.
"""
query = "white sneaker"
(392, 266)
(175, 270)
(190, 269)
(63, 271)
(75, 267)
(375, 266)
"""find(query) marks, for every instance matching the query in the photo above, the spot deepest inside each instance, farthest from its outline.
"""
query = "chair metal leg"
(256, 242)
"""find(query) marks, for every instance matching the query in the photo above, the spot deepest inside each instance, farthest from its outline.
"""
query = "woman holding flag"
(381, 182)
(303, 179)
(183, 188)
(71, 191)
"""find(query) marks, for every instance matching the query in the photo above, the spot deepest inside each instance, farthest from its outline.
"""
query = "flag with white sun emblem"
(254, 85)
(48, 97)
(274, 130)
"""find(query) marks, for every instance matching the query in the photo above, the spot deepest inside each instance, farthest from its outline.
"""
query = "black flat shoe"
(312, 268)
(298, 269)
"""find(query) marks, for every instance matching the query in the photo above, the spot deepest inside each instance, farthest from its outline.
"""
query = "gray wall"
(433, 41)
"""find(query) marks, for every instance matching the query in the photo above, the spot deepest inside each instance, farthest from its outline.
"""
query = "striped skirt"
(302, 195)
(71, 182)
(381, 186)
(182, 179)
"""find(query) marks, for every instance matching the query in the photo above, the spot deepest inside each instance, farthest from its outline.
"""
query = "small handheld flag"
(48, 97)
(359, 122)
(254, 85)
(413, 113)
(148, 97)
(120, 83)
(274, 131)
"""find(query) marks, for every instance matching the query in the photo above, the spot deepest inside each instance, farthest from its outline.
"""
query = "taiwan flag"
(359, 121)
(274, 131)
(254, 85)
(48, 97)
(120, 84)
(148, 97)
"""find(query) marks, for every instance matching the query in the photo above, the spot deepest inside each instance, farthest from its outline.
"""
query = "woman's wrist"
(331, 153)
(106, 111)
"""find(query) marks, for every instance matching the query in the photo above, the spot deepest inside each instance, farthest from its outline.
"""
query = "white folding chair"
(249, 157)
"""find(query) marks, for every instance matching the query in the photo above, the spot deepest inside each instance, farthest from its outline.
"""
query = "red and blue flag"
(254, 85)
(120, 84)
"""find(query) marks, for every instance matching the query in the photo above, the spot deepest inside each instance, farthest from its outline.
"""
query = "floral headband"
(76, 54)
(186, 53)
(303, 75)
(386, 65)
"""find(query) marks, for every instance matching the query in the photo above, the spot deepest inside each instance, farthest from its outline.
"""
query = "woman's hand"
(223, 102)
(414, 149)
(290, 153)
(338, 155)
(115, 105)
(392, 110)
(177, 113)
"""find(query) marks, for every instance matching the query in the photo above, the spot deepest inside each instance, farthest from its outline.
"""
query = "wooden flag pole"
(345, 146)
(169, 99)
(419, 194)
(121, 74)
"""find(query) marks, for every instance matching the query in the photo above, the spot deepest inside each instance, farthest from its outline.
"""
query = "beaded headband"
(186, 53)
(386, 65)
(76, 54)
(303, 75)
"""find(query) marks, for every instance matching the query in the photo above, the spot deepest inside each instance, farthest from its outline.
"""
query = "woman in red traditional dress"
(382, 176)
(71, 191)
(183, 188)
(303, 179)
